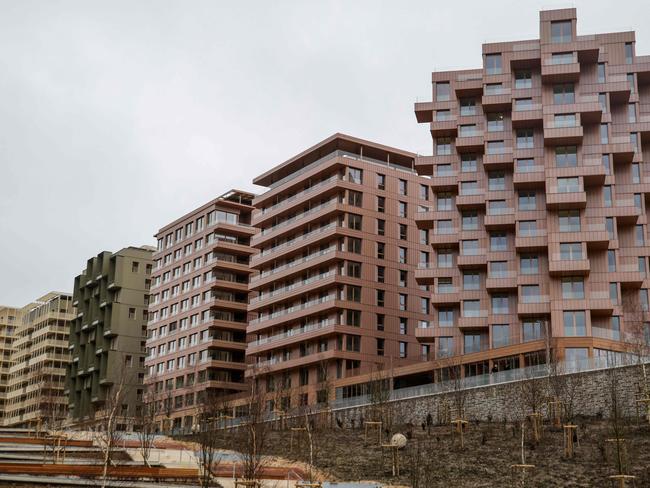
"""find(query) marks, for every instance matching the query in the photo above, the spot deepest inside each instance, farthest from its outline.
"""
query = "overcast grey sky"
(117, 117)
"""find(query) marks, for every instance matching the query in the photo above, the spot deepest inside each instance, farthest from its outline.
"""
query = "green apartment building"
(107, 336)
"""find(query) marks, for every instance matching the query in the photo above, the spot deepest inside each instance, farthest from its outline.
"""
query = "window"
(402, 301)
(471, 280)
(496, 147)
(467, 107)
(401, 255)
(402, 231)
(568, 185)
(495, 122)
(498, 241)
(381, 204)
(565, 120)
(498, 269)
(444, 170)
(442, 115)
(604, 133)
(570, 251)
(354, 245)
(636, 173)
(443, 93)
(525, 139)
(561, 31)
(528, 228)
(601, 73)
(630, 81)
(469, 247)
(606, 165)
(401, 209)
(639, 235)
(443, 202)
(527, 200)
(445, 258)
(135, 266)
(355, 198)
(381, 298)
(355, 175)
(354, 269)
(523, 104)
(493, 64)
(602, 101)
(497, 181)
(569, 220)
(469, 188)
(424, 236)
(470, 220)
(493, 89)
(444, 227)
(523, 80)
(563, 94)
(472, 343)
(402, 187)
(381, 250)
(444, 286)
(445, 347)
(380, 347)
(631, 113)
(500, 335)
(403, 278)
(562, 58)
(381, 181)
(424, 259)
(403, 326)
(525, 165)
(381, 227)
(467, 130)
(643, 299)
(638, 201)
(445, 317)
(641, 265)
(611, 260)
(530, 294)
(354, 221)
(403, 349)
(529, 264)
(424, 192)
(574, 323)
(613, 293)
(471, 308)
(468, 163)
(607, 195)
(381, 321)
(573, 288)
(629, 53)
(500, 304)
(381, 274)
(424, 305)
(132, 313)
(609, 225)
(532, 330)
(566, 156)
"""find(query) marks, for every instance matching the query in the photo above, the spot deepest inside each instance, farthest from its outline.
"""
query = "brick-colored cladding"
(538, 215)
(336, 294)
(197, 315)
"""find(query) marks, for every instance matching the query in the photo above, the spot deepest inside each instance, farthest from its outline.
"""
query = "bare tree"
(379, 390)
(52, 411)
(252, 434)
(210, 433)
(146, 418)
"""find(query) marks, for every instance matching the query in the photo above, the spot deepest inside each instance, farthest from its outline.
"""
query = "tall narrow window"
(493, 64)
(561, 31)
(629, 53)
(443, 92)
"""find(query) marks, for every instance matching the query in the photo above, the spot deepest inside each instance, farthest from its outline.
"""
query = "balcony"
(299, 241)
(526, 116)
(557, 266)
(501, 281)
(444, 237)
(423, 111)
(534, 305)
(600, 303)
(532, 177)
(447, 180)
(469, 84)
(424, 218)
(472, 259)
(576, 198)
(470, 141)
(425, 334)
(559, 133)
(500, 159)
(618, 88)
(629, 276)
(554, 72)
(587, 106)
(303, 286)
(496, 101)
(532, 240)
(447, 295)
(471, 198)
(477, 320)
(621, 148)
(499, 218)
(426, 273)
(447, 127)
(625, 211)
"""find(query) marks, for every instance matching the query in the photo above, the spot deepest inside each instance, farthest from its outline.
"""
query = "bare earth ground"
(489, 451)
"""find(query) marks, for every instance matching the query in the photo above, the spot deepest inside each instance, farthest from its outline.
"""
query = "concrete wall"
(589, 393)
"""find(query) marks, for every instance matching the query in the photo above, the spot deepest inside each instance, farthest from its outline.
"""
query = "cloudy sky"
(117, 117)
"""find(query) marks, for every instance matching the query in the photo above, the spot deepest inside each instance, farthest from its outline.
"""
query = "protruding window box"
(555, 134)
(568, 267)
(526, 116)
(531, 241)
(501, 281)
(534, 305)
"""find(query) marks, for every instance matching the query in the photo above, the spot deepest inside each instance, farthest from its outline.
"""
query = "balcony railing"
(284, 289)
(295, 308)
(302, 193)
(294, 332)
(299, 216)
(292, 264)
(302, 237)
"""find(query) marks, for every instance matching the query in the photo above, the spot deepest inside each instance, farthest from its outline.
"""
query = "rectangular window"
(573, 288)
(498, 241)
(525, 139)
(471, 308)
(570, 251)
(443, 202)
(424, 192)
(381, 250)
(496, 181)
(493, 64)
(381, 298)
(532, 330)
(381, 227)
(470, 220)
(468, 163)
(562, 58)
(527, 200)
(402, 209)
(561, 31)
(631, 113)
(402, 187)
(523, 104)
(500, 304)
(563, 94)
(446, 317)
(381, 181)
(355, 175)
(574, 323)
(443, 92)
(529, 264)
(601, 73)
(568, 185)
(629, 53)
(604, 133)
(569, 220)
(566, 156)
(381, 274)
(471, 281)
(565, 120)
(495, 122)
(523, 80)
(354, 221)
(500, 335)
(467, 107)
(443, 115)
